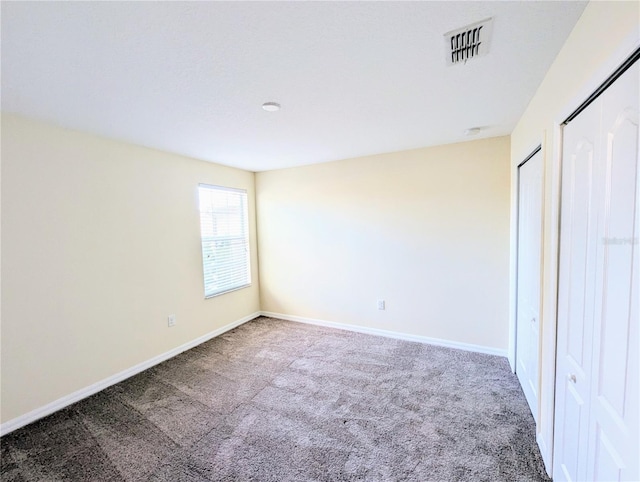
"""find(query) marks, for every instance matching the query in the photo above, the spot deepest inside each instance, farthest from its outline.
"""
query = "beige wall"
(604, 36)
(427, 230)
(100, 243)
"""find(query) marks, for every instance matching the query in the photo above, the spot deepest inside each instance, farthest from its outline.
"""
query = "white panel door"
(530, 188)
(613, 449)
(598, 369)
(575, 294)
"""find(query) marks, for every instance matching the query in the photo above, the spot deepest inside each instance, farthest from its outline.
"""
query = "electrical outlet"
(171, 320)
(381, 304)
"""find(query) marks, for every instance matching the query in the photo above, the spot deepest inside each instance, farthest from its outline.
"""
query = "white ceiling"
(353, 78)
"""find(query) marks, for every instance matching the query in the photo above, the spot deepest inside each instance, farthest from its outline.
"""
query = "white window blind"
(224, 228)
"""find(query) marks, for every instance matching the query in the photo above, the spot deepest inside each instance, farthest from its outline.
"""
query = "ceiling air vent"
(468, 42)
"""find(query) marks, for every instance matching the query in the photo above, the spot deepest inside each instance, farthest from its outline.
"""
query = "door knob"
(572, 378)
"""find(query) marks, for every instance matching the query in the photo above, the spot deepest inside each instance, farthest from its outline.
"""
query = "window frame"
(204, 240)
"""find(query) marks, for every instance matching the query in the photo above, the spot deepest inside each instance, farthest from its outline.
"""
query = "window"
(224, 228)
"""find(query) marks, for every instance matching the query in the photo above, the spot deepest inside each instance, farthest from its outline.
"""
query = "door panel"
(528, 291)
(607, 462)
(580, 180)
(575, 293)
(614, 418)
(573, 410)
(617, 272)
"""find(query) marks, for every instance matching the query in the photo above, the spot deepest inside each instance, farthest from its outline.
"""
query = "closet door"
(575, 293)
(598, 370)
(529, 262)
(613, 449)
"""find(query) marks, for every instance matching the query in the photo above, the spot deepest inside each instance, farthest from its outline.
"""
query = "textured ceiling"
(353, 78)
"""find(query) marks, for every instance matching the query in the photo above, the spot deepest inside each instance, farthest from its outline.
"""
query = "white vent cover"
(468, 42)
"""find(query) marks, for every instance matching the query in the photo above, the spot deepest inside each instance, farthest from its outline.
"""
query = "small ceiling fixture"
(472, 131)
(271, 106)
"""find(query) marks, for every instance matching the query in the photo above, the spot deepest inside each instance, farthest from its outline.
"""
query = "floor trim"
(390, 334)
(74, 397)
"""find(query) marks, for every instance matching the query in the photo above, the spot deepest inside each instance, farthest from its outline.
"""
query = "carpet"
(279, 401)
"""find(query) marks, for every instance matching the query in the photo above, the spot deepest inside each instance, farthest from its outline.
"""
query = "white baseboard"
(74, 397)
(390, 334)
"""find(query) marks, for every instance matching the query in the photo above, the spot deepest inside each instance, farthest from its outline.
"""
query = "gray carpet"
(280, 401)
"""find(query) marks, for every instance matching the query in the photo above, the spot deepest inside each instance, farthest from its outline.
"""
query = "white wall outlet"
(171, 320)
(381, 304)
